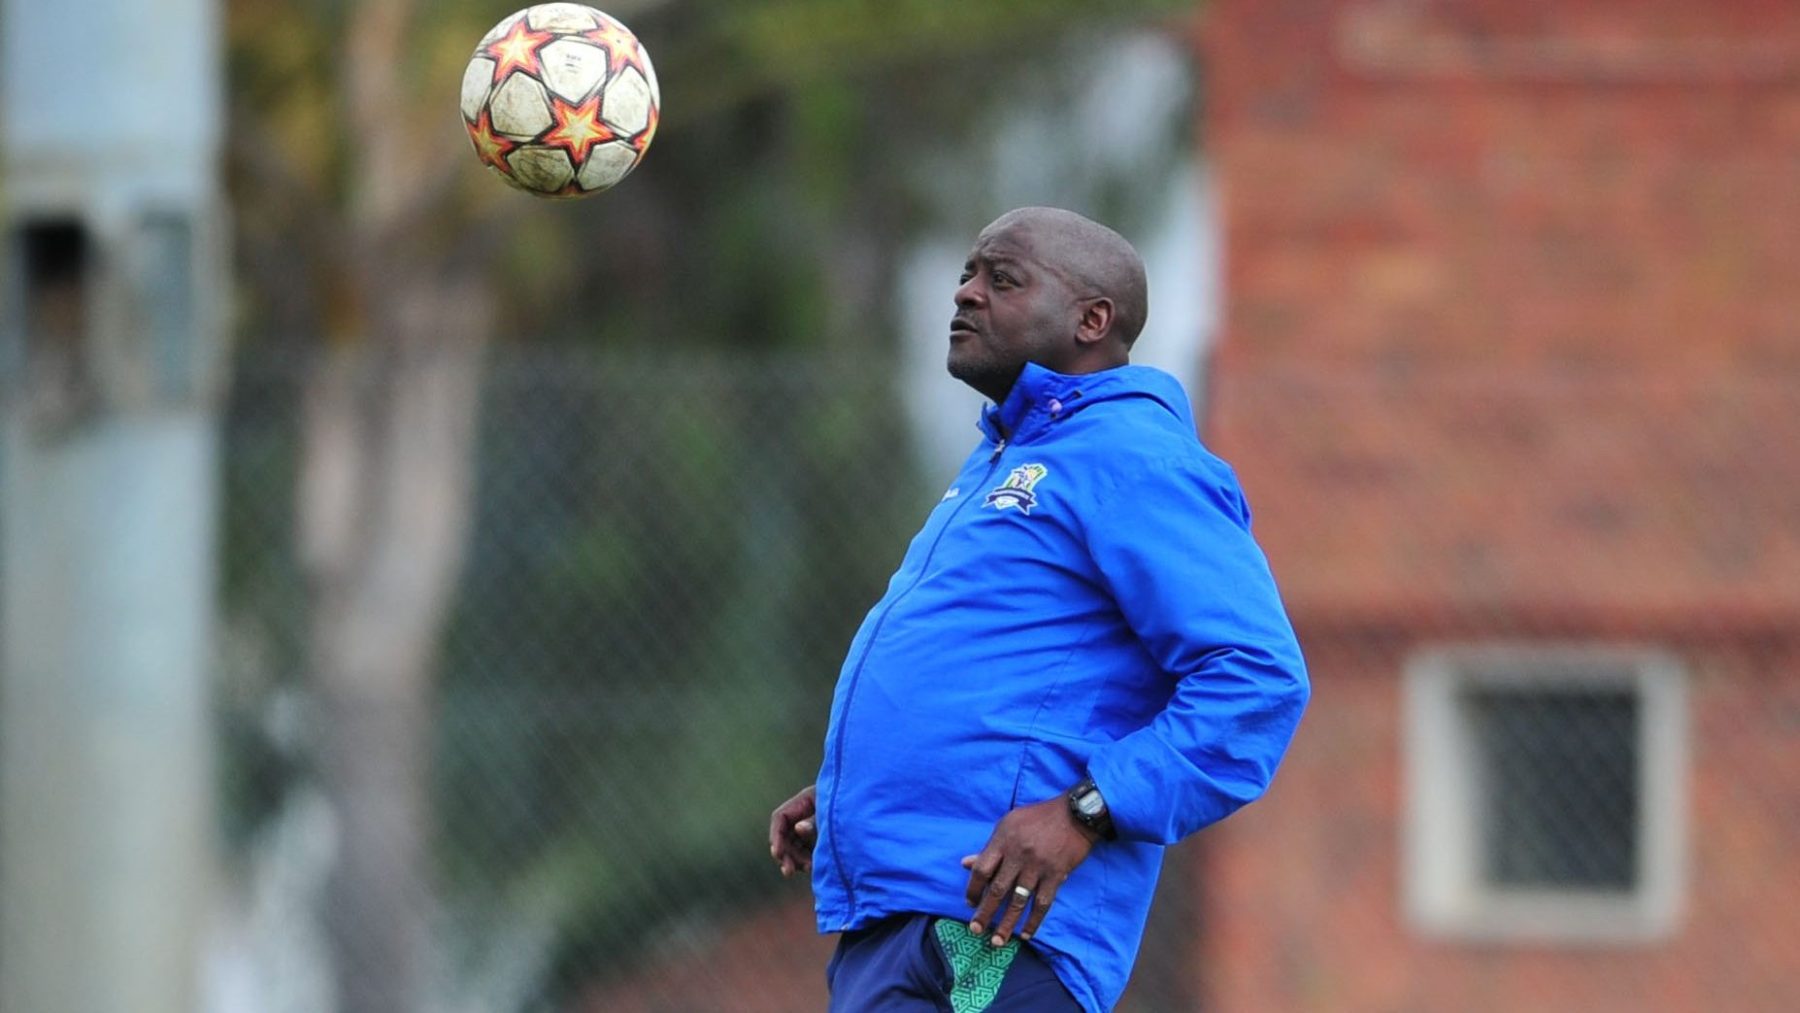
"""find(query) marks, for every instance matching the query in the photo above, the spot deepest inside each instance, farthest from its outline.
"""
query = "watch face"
(1090, 803)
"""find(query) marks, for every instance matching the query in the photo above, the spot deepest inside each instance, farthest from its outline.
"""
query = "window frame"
(1441, 856)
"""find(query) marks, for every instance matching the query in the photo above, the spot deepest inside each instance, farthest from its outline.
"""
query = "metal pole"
(109, 343)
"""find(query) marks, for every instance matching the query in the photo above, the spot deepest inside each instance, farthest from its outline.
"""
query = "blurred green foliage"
(792, 131)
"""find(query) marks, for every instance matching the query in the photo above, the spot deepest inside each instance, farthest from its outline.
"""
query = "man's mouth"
(961, 326)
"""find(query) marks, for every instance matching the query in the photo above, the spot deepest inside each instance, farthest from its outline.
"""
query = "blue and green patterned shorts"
(918, 963)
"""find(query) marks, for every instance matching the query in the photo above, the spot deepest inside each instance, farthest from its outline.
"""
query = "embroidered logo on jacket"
(1016, 491)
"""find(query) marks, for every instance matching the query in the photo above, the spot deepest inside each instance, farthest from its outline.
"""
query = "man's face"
(1011, 308)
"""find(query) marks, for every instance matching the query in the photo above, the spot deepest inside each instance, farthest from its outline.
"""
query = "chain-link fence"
(664, 565)
(1488, 806)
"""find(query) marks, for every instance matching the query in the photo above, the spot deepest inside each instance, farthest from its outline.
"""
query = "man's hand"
(792, 830)
(1032, 850)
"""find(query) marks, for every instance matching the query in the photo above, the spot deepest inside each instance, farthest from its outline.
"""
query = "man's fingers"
(793, 828)
(993, 898)
(790, 845)
(777, 821)
(1015, 906)
(981, 869)
(792, 854)
(1040, 906)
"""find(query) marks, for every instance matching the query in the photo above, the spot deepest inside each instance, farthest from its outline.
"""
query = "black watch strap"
(1088, 807)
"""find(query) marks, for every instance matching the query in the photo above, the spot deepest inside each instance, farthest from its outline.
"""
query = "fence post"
(109, 352)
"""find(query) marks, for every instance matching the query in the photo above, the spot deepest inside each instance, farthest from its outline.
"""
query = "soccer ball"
(560, 100)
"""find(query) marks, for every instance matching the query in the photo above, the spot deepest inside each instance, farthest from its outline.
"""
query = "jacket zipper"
(837, 747)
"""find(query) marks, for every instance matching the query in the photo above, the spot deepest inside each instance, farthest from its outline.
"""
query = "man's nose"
(969, 292)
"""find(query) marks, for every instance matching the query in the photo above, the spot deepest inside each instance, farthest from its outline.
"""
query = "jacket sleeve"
(1173, 544)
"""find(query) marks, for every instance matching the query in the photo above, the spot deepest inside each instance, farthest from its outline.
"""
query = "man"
(1081, 659)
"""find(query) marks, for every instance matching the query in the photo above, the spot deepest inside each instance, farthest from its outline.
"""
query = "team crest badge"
(1016, 491)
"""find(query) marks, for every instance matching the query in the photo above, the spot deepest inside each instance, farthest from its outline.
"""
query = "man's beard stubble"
(990, 379)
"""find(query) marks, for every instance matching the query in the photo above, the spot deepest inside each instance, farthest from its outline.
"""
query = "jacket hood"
(1042, 396)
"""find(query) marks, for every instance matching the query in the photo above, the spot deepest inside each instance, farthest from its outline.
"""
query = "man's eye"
(1002, 278)
(964, 280)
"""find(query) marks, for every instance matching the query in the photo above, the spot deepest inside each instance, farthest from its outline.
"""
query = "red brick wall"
(1511, 350)
(1513, 299)
(1301, 891)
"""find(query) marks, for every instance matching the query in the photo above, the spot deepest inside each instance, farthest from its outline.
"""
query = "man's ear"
(1096, 321)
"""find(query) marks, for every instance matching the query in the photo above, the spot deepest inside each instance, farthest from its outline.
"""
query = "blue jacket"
(1085, 598)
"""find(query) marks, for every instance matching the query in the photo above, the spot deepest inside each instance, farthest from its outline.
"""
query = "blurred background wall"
(542, 527)
(1511, 370)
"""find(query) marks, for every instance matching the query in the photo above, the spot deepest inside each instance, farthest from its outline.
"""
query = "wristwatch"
(1088, 807)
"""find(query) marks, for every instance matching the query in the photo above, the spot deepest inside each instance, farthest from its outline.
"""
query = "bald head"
(1049, 287)
(1092, 260)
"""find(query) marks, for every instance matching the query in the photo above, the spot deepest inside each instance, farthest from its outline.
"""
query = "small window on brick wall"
(1547, 793)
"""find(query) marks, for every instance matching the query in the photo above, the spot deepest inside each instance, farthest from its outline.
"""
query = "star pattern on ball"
(621, 47)
(490, 147)
(577, 128)
(641, 140)
(517, 50)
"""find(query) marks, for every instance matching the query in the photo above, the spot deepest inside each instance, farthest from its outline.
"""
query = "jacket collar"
(1038, 397)
(1042, 397)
